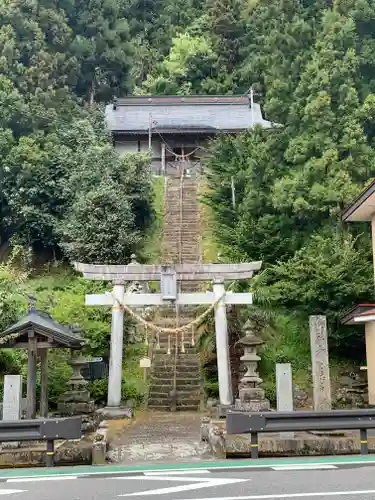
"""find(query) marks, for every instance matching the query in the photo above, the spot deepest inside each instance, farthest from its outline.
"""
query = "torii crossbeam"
(168, 277)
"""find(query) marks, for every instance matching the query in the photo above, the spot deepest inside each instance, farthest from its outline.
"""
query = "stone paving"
(159, 437)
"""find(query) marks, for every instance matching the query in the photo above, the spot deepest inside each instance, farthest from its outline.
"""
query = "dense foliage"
(63, 187)
(314, 71)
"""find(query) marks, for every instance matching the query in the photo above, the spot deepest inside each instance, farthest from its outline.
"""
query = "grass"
(208, 243)
(151, 249)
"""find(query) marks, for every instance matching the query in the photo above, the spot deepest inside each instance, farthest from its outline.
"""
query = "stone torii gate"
(168, 276)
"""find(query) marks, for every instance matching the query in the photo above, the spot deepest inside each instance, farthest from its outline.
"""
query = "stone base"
(114, 412)
(100, 445)
(82, 396)
(221, 410)
(276, 445)
(253, 405)
(75, 407)
(272, 445)
(77, 452)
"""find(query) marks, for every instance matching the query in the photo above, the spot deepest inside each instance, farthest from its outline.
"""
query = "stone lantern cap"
(249, 340)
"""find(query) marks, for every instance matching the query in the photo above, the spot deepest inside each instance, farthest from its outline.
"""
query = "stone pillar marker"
(320, 363)
(12, 398)
(284, 392)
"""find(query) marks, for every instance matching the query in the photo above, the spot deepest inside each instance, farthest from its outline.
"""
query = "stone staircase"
(175, 381)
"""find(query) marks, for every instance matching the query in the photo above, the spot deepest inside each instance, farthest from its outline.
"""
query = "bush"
(99, 391)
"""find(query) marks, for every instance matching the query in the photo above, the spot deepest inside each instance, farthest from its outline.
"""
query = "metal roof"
(363, 207)
(43, 324)
(167, 114)
(358, 310)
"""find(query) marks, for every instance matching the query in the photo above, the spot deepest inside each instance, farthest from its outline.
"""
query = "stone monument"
(320, 363)
(284, 392)
(251, 395)
(12, 399)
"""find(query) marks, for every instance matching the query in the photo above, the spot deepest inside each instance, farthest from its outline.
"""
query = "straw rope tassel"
(146, 336)
(193, 336)
(169, 344)
(182, 342)
(158, 340)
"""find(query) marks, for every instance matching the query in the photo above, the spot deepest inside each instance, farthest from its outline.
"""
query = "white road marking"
(177, 472)
(295, 495)
(304, 467)
(199, 483)
(10, 492)
(39, 478)
(227, 468)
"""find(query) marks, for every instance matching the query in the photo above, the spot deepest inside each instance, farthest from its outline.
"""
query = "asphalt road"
(341, 483)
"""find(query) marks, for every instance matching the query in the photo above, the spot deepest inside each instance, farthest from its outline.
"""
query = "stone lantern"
(76, 400)
(251, 395)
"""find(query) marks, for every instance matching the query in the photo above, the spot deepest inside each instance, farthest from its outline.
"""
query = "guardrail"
(45, 429)
(255, 423)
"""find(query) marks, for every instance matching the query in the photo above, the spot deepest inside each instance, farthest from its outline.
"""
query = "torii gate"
(168, 275)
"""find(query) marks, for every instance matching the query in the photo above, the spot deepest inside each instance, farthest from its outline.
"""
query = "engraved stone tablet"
(12, 399)
(320, 363)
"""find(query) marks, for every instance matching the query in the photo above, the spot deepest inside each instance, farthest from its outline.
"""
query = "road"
(278, 481)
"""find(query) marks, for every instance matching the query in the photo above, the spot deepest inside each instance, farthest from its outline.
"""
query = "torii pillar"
(362, 209)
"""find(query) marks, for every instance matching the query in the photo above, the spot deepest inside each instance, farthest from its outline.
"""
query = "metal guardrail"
(44, 429)
(255, 423)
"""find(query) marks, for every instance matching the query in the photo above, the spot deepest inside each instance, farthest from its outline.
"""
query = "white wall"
(124, 147)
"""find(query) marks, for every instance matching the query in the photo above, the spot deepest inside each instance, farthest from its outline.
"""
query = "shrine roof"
(362, 208)
(45, 326)
(187, 114)
(358, 314)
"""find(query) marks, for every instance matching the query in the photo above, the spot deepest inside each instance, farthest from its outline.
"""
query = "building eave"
(362, 208)
(359, 310)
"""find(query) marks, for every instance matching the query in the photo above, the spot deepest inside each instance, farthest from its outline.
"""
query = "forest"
(67, 195)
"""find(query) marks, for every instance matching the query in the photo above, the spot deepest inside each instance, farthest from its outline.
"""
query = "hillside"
(67, 195)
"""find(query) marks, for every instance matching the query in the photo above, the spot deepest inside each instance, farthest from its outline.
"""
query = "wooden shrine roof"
(45, 327)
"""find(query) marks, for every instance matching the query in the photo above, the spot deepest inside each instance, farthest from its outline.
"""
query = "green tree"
(100, 227)
(326, 276)
(102, 47)
(328, 149)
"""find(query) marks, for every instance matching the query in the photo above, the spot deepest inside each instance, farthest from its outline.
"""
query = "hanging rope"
(180, 329)
(167, 147)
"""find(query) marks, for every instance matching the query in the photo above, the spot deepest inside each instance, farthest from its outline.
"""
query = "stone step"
(186, 377)
(185, 358)
(168, 408)
(163, 350)
(181, 395)
(181, 366)
(182, 371)
(167, 401)
(158, 407)
(193, 383)
(188, 407)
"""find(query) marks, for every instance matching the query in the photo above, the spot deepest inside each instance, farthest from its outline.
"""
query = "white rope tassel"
(193, 336)
(169, 345)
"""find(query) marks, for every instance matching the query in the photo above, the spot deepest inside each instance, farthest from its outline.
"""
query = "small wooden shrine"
(38, 332)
